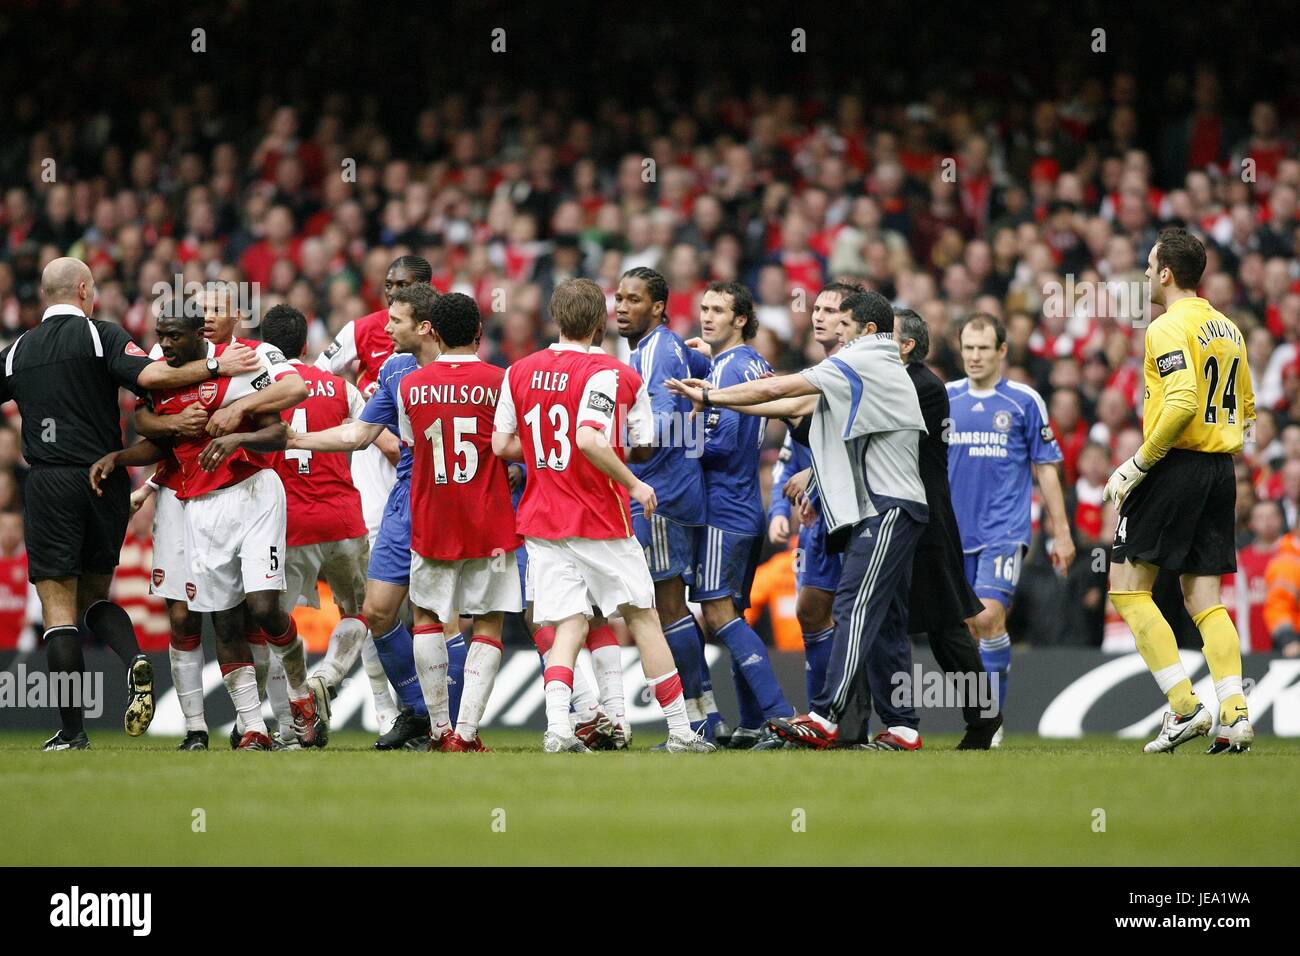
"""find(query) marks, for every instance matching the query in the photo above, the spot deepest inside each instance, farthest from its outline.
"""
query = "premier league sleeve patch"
(1174, 361)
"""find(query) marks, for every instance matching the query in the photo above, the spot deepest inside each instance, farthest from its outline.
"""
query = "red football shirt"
(322, 502)
(167, 474)
(363, 341)
(213, 394)
(460, 490)
(548, 395)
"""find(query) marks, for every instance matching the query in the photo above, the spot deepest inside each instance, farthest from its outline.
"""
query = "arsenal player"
(389, 574)
(559, 411)
(170, 562)
(366, 342)
(234, 529)
(463, 536)
(326, 532)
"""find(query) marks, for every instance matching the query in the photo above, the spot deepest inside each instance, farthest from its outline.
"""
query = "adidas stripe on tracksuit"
(865, 437)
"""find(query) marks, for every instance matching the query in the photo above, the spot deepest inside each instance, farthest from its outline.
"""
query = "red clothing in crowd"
(13, 599)
(1245, 604)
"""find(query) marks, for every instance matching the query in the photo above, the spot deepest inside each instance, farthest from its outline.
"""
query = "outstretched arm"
(350, 436)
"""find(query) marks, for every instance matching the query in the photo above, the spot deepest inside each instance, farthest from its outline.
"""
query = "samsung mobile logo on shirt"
(77, 909)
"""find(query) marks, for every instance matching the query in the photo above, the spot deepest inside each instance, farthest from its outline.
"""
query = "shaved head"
(62, 279)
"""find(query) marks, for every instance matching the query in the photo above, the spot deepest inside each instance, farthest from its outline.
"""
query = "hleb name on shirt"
(551, 381)
(452, 395)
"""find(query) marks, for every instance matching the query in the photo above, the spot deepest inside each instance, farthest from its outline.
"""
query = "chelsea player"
(728, 546)
(668, 536)
(999, 441)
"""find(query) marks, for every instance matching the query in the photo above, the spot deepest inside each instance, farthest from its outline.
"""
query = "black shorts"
(70, 530)
(1182, 517)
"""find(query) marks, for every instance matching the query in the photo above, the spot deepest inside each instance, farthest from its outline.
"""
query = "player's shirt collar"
(738, 345)
(63, 310)
(568, 347)
(661, 327)
(458, 358)
(974, 392)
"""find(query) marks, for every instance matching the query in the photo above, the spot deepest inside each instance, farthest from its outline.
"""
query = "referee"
(64, 374)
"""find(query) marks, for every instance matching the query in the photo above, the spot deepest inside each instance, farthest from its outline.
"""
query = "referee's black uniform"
(64, 375)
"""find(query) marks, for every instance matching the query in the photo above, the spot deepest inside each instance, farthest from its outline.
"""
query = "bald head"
(68, 281)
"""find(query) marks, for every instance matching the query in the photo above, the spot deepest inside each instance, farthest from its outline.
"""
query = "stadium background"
(512, 170)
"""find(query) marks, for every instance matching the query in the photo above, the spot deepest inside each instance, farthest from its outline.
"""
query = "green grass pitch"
(130, 802)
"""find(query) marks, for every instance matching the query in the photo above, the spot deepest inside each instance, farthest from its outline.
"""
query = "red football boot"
(887, 740)
(304, 720)
(459, 745)
(254, 741)
(805, 731)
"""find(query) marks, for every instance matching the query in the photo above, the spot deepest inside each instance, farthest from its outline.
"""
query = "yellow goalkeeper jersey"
(1196, 358)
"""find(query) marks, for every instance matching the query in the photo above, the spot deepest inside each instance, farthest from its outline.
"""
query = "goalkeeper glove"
(1126, 477)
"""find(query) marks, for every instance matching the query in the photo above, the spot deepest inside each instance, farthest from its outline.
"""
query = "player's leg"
(570, 632)
(262, 566)
(585, 715)
(725, 567)
(818, 577)
(661, 675)
(1222, 643)
(429, 647)
(997, 572)
(616, 575)
(1130, 592)
(607, 665)
(670, 554)
(489, 588)
(236, 662)
(813, 610)
(1211, 554)
(389, 577)
(343, 569)
(185, 654)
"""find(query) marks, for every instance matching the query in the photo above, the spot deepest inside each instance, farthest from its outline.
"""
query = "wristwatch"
(704, 396)
(214, 368)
